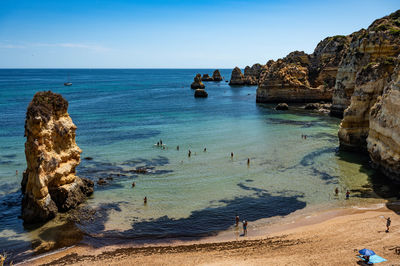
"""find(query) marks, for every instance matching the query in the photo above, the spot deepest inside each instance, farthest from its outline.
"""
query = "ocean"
(122, 113)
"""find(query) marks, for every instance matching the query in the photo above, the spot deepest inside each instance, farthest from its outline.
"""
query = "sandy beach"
(330, 237)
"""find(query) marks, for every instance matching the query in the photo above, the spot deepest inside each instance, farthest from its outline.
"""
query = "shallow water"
(121, 114)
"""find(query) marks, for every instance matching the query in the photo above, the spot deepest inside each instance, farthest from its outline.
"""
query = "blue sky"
(171, 33)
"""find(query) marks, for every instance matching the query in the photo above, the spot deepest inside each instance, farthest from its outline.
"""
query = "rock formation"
(300, 77)
(383, 142)
(282, 106)
(250, 77)
(237, 78)
(207, 77)
(197, 83)
(49, 183)
(369, 84)
(200, 93)
(380, 40)
(216, 76)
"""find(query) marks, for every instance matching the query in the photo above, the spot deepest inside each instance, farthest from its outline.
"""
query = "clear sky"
(171, 33)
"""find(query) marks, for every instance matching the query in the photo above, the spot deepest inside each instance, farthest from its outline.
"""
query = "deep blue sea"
(121, 114)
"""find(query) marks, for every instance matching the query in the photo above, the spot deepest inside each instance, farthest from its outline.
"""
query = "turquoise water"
(121, 114)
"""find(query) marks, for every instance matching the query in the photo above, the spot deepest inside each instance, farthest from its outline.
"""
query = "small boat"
(67, 84)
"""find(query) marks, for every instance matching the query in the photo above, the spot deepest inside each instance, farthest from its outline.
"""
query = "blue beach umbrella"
(366, 252)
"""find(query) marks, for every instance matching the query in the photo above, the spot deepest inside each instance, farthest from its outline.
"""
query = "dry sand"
(327, 238)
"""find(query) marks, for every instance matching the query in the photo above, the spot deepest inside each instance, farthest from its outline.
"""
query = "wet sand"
(323, 238)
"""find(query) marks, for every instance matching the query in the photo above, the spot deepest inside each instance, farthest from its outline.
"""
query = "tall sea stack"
(49, 183)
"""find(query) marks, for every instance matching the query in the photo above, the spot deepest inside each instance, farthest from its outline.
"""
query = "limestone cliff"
(300, 77)
(383, 140)
(381, 40)
(250, 77)
(369, 84)
(49, 183)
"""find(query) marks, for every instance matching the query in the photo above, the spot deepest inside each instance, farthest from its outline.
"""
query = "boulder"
(282, 106)
(200, 93)
(197, 83)
(312, 106)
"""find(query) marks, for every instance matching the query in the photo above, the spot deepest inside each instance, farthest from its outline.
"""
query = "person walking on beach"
(237, 220)
(388, 222)
(244, 227)
(347, 194)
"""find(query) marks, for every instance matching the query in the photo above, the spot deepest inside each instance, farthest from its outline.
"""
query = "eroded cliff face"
(300, 77)
(380, 41)
(49, 183)
(369, 84)
(383, 142)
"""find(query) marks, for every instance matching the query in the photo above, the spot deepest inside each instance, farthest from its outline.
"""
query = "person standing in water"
(161, 142)
(189, 153)
(177, 148)
(336, 191)
(145, 200)
(205, 149)
(347, 194)
(231, 155)
(248, 161)
(244, 227)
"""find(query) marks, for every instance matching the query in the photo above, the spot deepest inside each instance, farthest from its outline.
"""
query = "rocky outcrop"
(207, 77)
(300, 77)
(216, 76)
(381, 40)
(200, 93)
(197, 83)
(250, 77)
(383, 142)
(368, 86)
(49, 183)
(282, 106)
(237, 78)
